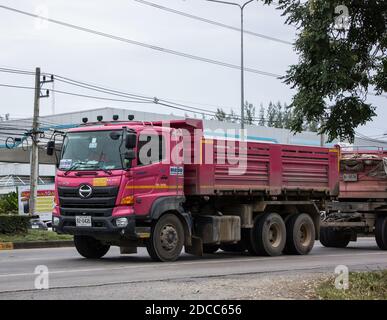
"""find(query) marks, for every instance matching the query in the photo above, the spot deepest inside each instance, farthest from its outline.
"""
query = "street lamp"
(241, 7)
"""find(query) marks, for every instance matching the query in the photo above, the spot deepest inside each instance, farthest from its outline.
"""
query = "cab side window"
(150, 149)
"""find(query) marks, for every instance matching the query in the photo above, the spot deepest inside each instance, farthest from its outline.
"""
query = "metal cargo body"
(272, 169)
(363, 174)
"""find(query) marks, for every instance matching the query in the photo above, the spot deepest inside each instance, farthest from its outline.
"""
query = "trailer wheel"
(89, 247)
(210, 248)
(300, 234)
(167, 239)
(268, 235)
(381, 232)
(332, 238)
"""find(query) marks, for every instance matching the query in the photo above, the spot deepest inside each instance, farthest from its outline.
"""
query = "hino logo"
(85, 191)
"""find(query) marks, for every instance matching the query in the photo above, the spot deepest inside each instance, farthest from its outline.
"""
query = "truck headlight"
(121, 222)
(55, 221)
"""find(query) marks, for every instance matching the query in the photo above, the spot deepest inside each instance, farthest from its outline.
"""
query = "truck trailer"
(165, 186)
(361, 208)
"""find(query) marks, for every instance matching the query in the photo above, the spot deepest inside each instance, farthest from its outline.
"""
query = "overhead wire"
(141, 44)
(212, 22)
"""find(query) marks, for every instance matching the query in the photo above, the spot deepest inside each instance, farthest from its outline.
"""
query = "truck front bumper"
(102, 227)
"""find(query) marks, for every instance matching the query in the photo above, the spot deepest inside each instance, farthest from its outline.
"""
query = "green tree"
(313, 126)
(232, 117)
(249, 113)
(261, 117)
(271, 114)
(9, 203)
(278, 121)
(220, 115)
(342, 58)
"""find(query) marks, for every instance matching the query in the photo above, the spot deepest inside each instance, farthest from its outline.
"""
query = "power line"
(156, 101)
(212, 22)
(99, 89)
(142, 44)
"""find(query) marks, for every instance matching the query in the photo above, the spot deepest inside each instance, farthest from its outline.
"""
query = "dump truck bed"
(363, 174)
(272, 169)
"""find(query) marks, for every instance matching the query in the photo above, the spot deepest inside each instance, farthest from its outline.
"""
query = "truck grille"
(99, 204)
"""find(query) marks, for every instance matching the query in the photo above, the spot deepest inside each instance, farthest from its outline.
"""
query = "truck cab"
(112, 181)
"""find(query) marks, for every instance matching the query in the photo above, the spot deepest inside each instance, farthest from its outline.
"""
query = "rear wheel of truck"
(381, 232)
(268, 235)
(332, 238)
(89, 247)
(300, 234)
(167, 239)
(210, 248)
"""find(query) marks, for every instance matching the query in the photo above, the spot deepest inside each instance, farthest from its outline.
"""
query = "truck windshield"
(92, 150)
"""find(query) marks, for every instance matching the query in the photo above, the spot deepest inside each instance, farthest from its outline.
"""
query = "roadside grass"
(362, 286)
(34, 235)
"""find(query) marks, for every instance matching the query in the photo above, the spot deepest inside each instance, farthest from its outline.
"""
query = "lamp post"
(241, 7)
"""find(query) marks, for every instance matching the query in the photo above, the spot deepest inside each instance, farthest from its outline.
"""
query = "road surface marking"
(177, 264)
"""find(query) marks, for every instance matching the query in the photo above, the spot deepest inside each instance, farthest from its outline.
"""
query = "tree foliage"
(9, 203)
(342, 59)
(276, 115)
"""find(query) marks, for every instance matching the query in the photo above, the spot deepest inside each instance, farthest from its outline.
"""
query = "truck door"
(151, 177)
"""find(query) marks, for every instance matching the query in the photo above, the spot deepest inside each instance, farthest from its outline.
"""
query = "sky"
(28, 42)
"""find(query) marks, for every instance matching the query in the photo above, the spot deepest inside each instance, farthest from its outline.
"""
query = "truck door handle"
(164, 177)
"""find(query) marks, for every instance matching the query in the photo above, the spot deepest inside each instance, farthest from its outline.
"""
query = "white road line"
(177, 264)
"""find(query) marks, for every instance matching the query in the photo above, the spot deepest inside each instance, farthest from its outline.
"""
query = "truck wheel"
(89, 247)
(210, 248)
(167, 239)
(268, 236)
(332, 238)
(381, 232)
(300, 234)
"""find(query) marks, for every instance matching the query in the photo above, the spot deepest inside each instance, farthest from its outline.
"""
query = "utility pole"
(34, 158)
(35, 149)
(242, 8)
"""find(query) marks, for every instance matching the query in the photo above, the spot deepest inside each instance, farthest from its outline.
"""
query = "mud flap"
(196, 247)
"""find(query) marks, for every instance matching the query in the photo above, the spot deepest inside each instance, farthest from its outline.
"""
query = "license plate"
(35, 227)
(350, 177)
(83, 221)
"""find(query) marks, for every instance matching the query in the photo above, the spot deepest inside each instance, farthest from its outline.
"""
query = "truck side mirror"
(130, 140)
(50, 148)
(130, 155)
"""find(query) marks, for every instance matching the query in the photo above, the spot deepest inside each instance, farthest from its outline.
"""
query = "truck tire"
(268, 235)
(210, 248)
(167, 239)
(89, 247)
(332, 238)
(381, 232)
(300, 234)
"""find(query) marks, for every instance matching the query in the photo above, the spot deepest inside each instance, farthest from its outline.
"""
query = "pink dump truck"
(165, 186)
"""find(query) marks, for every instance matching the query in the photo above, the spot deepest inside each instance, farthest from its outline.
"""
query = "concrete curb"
(36, 244)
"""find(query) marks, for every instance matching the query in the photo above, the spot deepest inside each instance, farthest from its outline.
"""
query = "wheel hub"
(168, 237)
(305, 235)
(275, 235)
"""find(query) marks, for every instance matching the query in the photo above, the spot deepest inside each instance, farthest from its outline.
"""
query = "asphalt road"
(71, 276)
